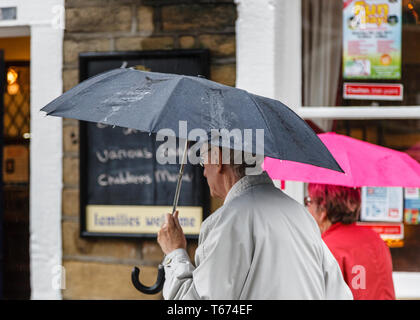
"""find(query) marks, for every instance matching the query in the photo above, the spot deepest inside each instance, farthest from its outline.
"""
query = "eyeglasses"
(307, 201)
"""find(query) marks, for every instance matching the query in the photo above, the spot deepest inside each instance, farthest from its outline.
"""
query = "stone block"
(151, 251)
(219, 45)
(71, 138)
(198, 16)
(93, 280)
(145, 19)
(70, 78)
(187, 42)
(117, 249)
(71, 202)
(72, 48)
(109, 18)
(224, 74)
(140, 43)
(71, 171)
(158, 43)
(93, 3)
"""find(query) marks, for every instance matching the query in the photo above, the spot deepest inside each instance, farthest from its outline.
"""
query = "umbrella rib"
(262, 116)
(153, 129)
(99, 78)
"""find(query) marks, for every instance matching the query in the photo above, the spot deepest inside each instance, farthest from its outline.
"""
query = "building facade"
(260, 46)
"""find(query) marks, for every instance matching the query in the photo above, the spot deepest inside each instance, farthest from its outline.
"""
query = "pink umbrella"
(364, 164)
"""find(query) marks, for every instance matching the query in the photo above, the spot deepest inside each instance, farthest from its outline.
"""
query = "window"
(327, 71)
(324, 75)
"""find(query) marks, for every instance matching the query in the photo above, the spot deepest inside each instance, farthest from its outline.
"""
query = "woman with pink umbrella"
(334, 202)
(363, 257)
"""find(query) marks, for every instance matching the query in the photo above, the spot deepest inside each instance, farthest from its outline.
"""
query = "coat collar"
(246, 182)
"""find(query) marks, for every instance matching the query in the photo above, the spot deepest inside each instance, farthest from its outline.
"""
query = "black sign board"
(124, 191)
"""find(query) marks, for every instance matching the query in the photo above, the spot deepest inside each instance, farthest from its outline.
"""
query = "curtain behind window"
(322, 38)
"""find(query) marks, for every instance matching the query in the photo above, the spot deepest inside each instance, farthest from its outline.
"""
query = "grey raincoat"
(260, 244)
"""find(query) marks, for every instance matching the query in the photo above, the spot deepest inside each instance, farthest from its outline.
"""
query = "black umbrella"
(149, 102)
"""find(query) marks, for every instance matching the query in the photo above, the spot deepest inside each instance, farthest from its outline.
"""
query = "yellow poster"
(372, 39)
(139, 219)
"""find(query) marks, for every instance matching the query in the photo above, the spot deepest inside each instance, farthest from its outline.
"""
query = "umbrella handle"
(181, 172)
(157, 287)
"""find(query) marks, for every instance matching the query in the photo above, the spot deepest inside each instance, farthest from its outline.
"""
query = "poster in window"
(382, 204)
(412, 205)
(372, 39)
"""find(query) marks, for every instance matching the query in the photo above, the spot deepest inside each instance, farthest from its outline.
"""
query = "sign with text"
(140, 219)
(391, 233)
(373, 91)
(372, 39)
(385, 230)
(122, 169)
(384, 204)
(124, 190)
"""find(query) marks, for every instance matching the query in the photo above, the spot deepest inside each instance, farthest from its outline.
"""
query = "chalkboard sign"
(124, 191)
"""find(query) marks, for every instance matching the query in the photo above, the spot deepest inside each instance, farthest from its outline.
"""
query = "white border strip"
(407, 285)
(368, 112)
(42, 19)
(46, 156)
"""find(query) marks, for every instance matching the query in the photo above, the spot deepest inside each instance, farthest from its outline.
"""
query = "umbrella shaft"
(179, 182)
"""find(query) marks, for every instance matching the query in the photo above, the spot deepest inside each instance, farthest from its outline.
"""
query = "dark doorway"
(2, 84)
(15, 180)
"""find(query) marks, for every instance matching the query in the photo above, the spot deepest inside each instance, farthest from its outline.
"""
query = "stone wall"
(100, 268)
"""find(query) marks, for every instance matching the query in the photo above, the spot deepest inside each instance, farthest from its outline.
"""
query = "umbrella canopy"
(150, 101)
(364, 164)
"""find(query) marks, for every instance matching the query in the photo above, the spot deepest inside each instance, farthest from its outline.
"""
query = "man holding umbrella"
(260, 244)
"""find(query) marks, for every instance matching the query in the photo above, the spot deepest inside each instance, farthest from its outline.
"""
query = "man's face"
(212, 171)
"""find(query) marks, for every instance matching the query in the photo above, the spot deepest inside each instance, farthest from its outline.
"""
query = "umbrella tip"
(43, 113)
